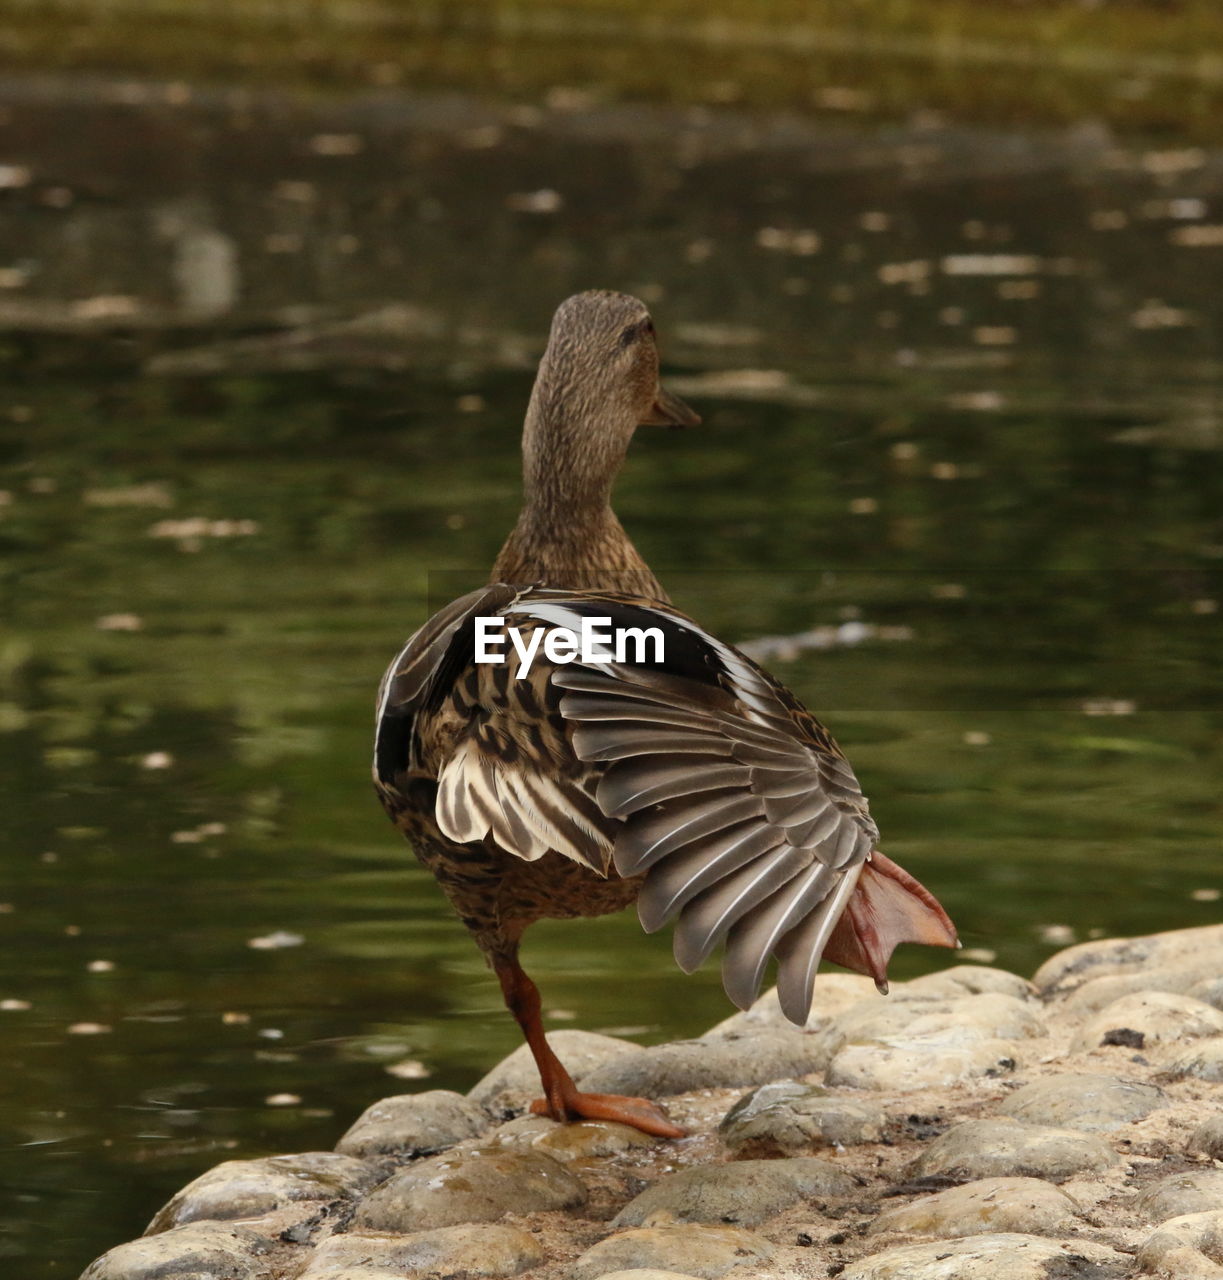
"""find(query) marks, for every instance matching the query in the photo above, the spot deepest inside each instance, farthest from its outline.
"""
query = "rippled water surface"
(265, 363)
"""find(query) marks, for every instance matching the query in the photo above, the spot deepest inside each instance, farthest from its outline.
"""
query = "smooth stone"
(1207, 1138)
(1188, 1248)
(1027, 1205)
(1209, 990)
(1076, 965)
(704, 1252)
(513, 1084)
(1096, 993)
(590, 1138)
(477, 1186)
(965, 979)
(932, 1060)
(1204, 1061)
(1000, 1148)
(201, 1249)
(248, 1188)
(743, 1194)
(1005, 1256)
(970, 1018)
(787, 1117)
(721, 1062)
(1095, 1104)
(833, 993)
(1195, 1191)
(475, 1251)
(413, 1124)
(1158, 1016)
(647, 1273)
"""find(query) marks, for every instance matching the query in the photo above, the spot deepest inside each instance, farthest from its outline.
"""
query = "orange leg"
(562, 1100)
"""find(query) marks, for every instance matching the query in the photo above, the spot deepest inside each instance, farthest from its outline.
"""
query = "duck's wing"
(737, 804)
(495, 746)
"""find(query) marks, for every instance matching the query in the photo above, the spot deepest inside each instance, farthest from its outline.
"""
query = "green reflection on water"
(1036, 717)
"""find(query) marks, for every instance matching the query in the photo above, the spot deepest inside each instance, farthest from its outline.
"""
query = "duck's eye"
(629, 336)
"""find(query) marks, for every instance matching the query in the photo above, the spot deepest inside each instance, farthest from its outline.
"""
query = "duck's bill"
(670, 411)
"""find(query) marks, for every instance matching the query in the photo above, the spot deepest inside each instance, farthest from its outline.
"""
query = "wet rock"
(413, 1124)
(833, 993)
(1000, 1148)
(705, 1252)
(1070, 969)
(1207, 1138)
(474, 1251)
(1185, 1248)
(1026, 1205)
(1006, 1256)
(1204, 1061)
(1155, 1016)
(785, 1117)
(223, 1250)
(248, 1188)
(744, 1193)
(476, 1186)
(1195, 1191)
(927, 1061)
(720, 1062)
(1093, 1103)
(513, 1083)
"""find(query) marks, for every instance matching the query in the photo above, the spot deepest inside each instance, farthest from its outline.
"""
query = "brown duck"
(691, 782)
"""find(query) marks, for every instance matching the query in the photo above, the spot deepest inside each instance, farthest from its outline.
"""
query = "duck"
(670, 771)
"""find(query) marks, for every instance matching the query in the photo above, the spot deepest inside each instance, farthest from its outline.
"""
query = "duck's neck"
(567, 534)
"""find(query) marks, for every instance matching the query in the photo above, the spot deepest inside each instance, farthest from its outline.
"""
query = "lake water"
(265, 363)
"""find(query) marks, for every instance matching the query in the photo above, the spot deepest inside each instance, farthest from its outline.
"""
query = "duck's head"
(598, 379)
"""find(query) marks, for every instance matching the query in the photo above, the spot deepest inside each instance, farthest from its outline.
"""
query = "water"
(265, 365)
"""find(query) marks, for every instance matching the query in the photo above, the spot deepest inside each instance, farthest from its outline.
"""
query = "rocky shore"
(974, 1125)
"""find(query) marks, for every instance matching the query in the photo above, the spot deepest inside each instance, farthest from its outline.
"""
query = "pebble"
(1185, 1248)
(730, 1060)
(1207, 1138)
(1156, 1016)
(248, 1188)
(1204, 1061)
(1093, 1103)
(202, 1249)
(1027, 1205)
(1195, 1191)
(512, 1085)
(1000, 1148)
(475, 1251)
(413, 1124)
(473, 1186)
(1006, 1256)
(786, 1117)
(742, 1194)
(704, 1252)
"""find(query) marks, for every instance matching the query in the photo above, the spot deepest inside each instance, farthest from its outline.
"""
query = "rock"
(1000, 1148)
(1093, 1103)
(1098, 992)
(1185, 1248)
(477, 1186)
(1156, 1016)
(474, 1251)
(513, 1083)
(646, 1273)
(413, 1124)
(1195, 1191)
(1026, 1205)
(201, 1249)
(1007, 1256)
(248, 1188)
(705, 1252)
(744, 1193)
(1209, 990)
(1207, 1138)
(1204, 1061)
(1069, 969)
(833, 993)
(932, 1060)
(589, 1139)
(720, 1062)
(962, 980)
(786, 1117)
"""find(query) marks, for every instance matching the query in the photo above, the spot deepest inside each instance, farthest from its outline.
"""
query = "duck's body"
(695, 784)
